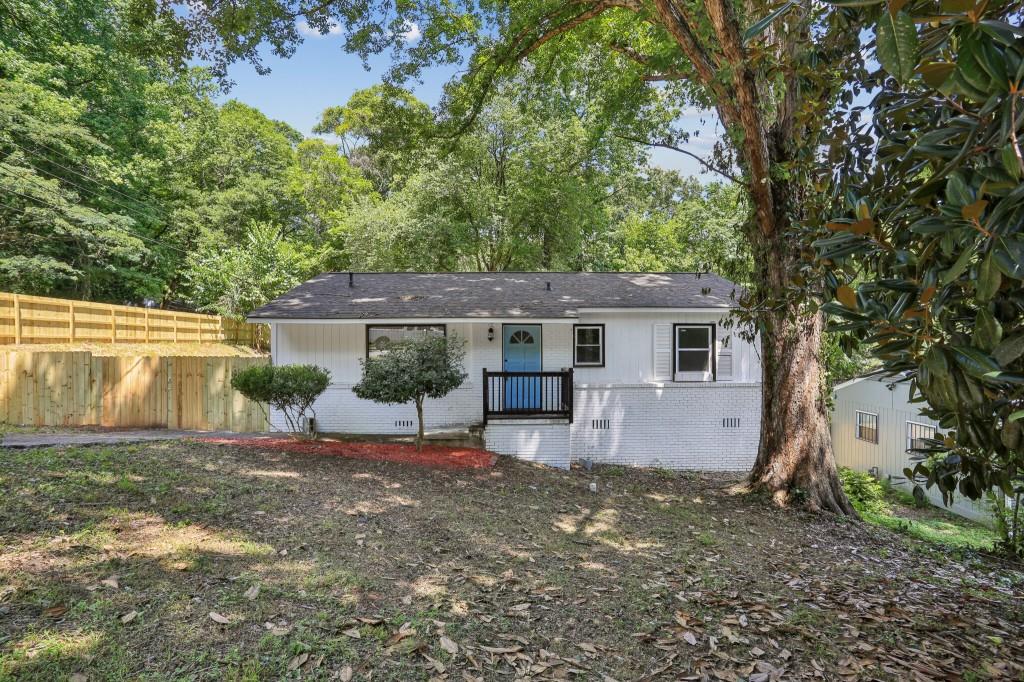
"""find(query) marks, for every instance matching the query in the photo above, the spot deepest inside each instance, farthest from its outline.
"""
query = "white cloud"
(310, 32)
(411, 33)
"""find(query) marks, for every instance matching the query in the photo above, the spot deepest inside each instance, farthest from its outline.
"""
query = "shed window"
(867, 426)
(588, 347)
(917, 434)
(380, 338)
(694, 352)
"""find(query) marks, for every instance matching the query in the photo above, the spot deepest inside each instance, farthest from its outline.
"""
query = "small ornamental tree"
(292, 389)
(409, 372)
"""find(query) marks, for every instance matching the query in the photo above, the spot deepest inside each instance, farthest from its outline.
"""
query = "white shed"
(874, 424)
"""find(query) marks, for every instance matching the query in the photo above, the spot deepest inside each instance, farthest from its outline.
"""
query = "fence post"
(147, 324)
(71, 321)
(17, 319)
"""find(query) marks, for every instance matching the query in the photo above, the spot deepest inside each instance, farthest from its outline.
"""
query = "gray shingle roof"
(401, 295)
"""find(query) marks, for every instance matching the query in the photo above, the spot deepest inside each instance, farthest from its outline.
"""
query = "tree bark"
(795, 462)
(419, 418)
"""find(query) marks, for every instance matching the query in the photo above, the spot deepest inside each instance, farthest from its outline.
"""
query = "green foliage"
(292, 389)
(928, 265)
(409, 372)
(865, 493)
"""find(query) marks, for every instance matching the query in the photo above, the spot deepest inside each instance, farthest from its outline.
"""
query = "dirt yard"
(199, 561)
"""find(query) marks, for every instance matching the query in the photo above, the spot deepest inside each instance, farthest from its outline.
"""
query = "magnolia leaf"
(987, 330)
(974, 211)
(989, 279)
(974, 362)
(935, 74)
(759, 27)
(1009, 350)
(847, 296)
(896, 38)
(217, 618)
(1009, 256)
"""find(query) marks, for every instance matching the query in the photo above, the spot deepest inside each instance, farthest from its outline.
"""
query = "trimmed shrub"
(292, 389)
(409, 372)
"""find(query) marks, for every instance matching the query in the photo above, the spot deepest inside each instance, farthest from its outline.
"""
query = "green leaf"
(764, 23)
(1009, 350)
(1009, 256)
(896, 38)
(959, 266)
(988, 280)
(1016, 416)
(973, 361)
(1010, 162)
(987, 330)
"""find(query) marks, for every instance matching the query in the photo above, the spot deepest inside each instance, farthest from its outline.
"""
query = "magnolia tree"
(290, 389)
(412, 371)
(927, 266)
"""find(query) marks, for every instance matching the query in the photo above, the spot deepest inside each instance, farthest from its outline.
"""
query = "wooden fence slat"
(28, 319)
(79, 389)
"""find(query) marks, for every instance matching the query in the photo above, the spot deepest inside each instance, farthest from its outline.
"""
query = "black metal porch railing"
(526, 395)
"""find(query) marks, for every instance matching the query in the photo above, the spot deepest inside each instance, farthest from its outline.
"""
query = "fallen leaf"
(252, 592)
(55, 611)
(449, 645)
(690, 638)
(78, 677)
(588, 647)
(111, 582)
(296, 662)
(353, 633)
(217, 618)
(346, 674)
(129, 617)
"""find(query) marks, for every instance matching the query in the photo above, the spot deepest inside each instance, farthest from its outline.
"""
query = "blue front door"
(521, 349)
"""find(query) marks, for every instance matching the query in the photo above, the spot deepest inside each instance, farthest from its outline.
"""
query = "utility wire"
(61, 208)
(90, 178)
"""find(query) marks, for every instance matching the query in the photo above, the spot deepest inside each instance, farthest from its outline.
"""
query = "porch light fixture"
(490, 333)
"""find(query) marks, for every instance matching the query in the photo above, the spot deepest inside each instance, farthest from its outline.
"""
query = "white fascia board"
(709, 310)
(415, 320)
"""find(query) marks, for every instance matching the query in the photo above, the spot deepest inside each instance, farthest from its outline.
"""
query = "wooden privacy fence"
(38, 319)
(80, 389)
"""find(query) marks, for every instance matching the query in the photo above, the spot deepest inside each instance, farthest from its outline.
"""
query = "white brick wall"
(339, 410)
(669, 425)
(543, 441)
(676, 426)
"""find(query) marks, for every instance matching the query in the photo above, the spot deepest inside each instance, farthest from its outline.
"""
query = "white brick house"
(629, 368)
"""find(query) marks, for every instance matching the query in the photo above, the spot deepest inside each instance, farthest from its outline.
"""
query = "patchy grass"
(195, 561)
(931, 524)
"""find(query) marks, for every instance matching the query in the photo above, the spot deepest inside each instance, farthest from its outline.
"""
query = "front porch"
(528, 395)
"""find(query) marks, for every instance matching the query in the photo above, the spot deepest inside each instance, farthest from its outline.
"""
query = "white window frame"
(707, 375)
(857, 426)
(576, 345)
(910, 439)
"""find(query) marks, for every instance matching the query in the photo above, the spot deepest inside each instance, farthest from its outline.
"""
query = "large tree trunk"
(795, 463)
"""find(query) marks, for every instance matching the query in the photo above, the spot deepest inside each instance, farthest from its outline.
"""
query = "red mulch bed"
(431, 455)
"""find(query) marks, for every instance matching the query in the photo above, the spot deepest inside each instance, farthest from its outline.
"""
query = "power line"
(116, 227)
(100, 183)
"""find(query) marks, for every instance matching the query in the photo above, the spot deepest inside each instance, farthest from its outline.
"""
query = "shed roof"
(446, 295)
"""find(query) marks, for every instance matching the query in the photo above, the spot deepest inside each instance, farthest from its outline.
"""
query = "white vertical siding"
(891, 402)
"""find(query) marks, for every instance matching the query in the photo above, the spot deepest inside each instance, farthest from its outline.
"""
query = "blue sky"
(320, 74)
